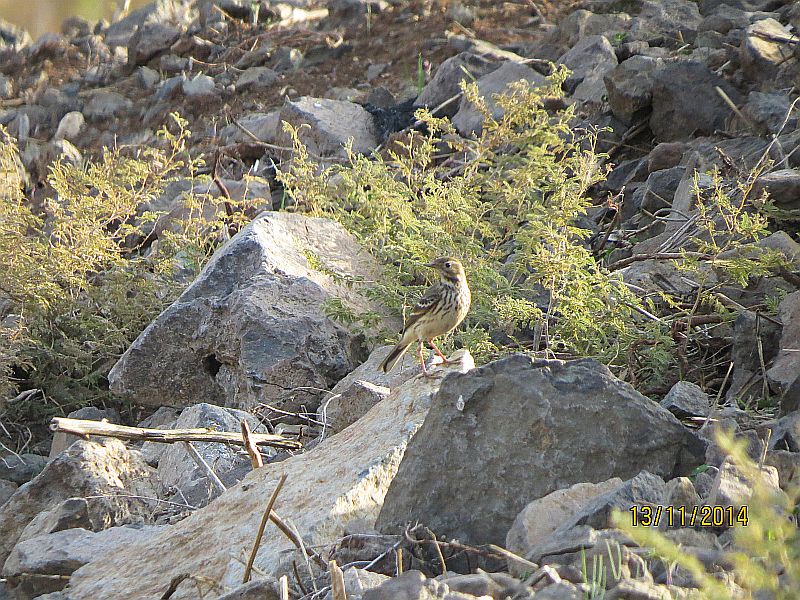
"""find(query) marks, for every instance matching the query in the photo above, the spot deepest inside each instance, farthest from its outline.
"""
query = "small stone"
(446, 81)
(589, 60)
(286, 59)
(375, 70)
(630, 86)
(733, 488)
(766, 47)
(686, 399)
(468, 121)
(256, 79)
(265, 126)
(704, 482)
(7, 488)
(788, 466)
(332, 123)
(148, 78)
(105, 104)
(381, 97)
(674, 118)
(21, 468)
(724, 19)
(659, 189)
(681, 495)
(771, 110)
(150, 40)
(675, 19)
(783, 187)
(583, 23)
(348, 406)
(70, 126)
(173, 64)
(200, 85)
(69, 514)
(543, 516)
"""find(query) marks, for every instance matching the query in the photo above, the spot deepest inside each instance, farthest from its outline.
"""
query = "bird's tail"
(393, 357)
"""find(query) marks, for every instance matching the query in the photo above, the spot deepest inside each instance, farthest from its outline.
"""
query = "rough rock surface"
(62, 553)
(784, 375)
(367, 385)
(347, 475)
(589, 60)
(558, 423)
(7, 488)
(686, 399)
(331, 124)
(544, 515)
(177, 469)
(630, 86)
(446, 82)
(468, 120)
(673, 117)
(252, 325)
(104, 468)
(671, 17)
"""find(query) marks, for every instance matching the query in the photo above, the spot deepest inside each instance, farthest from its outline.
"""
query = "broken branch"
(167, 436)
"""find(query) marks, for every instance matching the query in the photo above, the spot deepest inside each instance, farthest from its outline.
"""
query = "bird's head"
(448, 267)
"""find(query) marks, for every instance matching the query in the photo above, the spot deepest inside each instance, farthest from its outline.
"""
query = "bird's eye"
(447, 265)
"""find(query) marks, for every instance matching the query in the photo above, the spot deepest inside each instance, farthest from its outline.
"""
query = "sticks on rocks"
(168, 436)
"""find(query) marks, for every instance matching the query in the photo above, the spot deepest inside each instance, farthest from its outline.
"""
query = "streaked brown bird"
(440, 310)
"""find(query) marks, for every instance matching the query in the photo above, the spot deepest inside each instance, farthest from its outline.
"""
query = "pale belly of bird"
(446, 316)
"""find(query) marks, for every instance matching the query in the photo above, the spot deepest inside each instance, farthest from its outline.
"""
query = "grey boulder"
(446, 82)
(176, 469)
(330, 125)
(468, 120)
(515, 430)
(674, 118)
(105, 469)
(589, 60)
(253, 327)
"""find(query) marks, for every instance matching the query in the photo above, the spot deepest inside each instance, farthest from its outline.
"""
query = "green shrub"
(507, 205)
(81, 281)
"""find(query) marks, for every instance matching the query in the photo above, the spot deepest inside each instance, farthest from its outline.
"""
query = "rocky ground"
(496, 481)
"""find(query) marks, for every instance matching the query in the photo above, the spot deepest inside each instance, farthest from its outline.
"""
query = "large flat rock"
(342, 479)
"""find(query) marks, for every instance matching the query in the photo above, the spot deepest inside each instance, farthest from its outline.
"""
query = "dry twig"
(205, 467)
(255, 455)
(262, 526)
(167, 436)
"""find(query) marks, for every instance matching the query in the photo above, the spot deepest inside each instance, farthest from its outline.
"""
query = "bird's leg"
(439, 352)
(422, 360)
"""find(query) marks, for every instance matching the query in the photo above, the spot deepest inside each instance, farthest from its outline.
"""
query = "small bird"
(440, 310)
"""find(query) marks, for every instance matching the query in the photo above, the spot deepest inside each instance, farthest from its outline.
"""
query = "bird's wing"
(429, 298)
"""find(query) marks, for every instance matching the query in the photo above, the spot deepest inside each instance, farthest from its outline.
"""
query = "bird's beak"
(431, 264)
